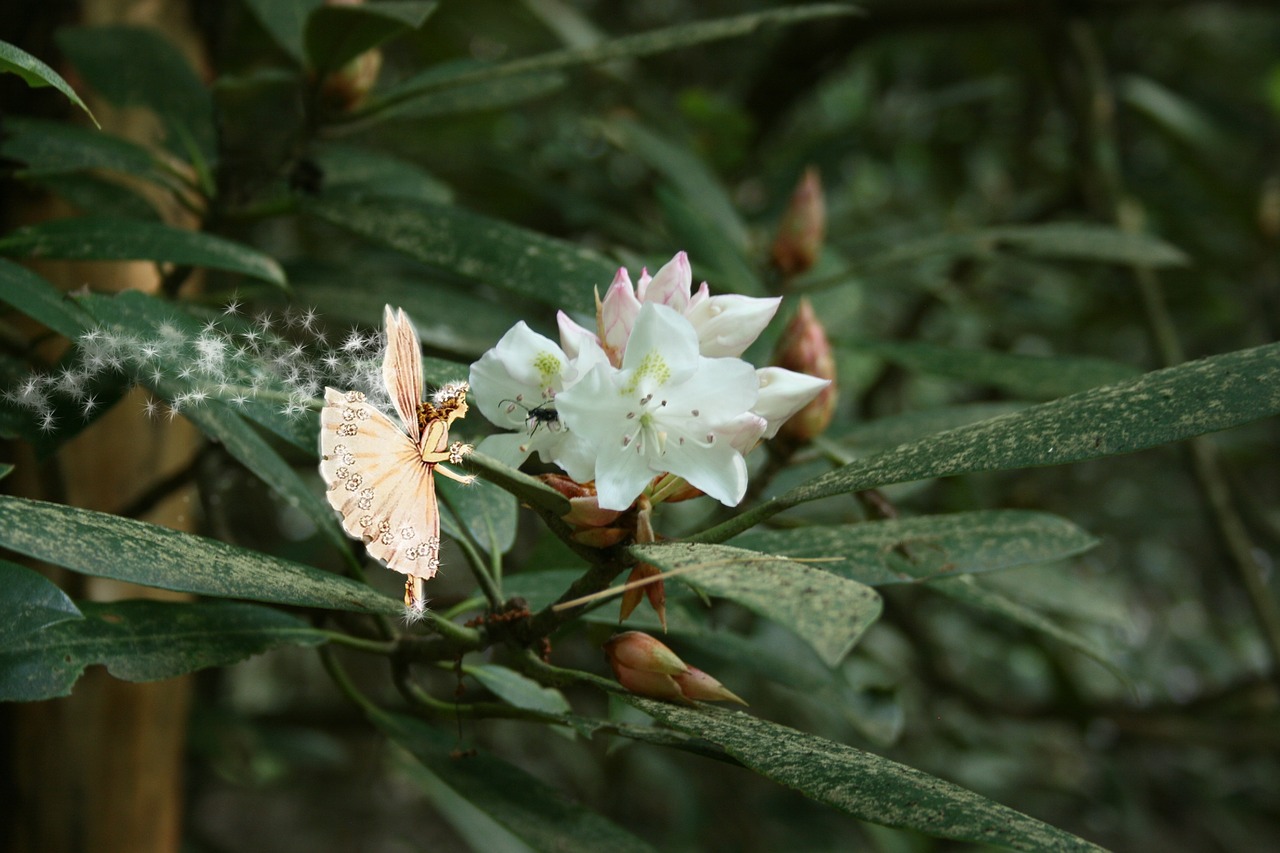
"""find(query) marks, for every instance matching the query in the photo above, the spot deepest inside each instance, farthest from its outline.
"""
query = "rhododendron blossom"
(658, 389)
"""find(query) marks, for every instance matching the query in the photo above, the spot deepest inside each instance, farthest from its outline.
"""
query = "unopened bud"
(696, 684)
(646, 667)
(804, 348)
(803, 228)
(345, 89)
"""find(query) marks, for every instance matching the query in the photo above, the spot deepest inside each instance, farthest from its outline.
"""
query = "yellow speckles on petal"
(653, 367)
(548, 364)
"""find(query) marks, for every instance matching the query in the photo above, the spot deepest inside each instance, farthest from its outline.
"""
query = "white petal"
(573, 336)
(717, 469)
(663, 348)
(509, 448)
(728, 324)
(575, 456)
(593, 409)
(670, 286)
(783, 393)
(744, 432)
(517, 375)
(722, 389)
(621, 475)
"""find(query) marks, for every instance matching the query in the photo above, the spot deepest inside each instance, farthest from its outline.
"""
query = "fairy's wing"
(402, 369)
(379, 484)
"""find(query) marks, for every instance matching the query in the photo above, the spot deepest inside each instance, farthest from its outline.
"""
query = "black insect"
(544, 413)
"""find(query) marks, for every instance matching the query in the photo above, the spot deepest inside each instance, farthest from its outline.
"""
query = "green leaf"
(40, 300)
(696, 182)
(1085, 242)
(138, 67)
(1071, 241)
(828, 612)
(475, 97)
(144, 641)
(285, 21)
(357, 170)
(890, 431)
(449, 316)
(487, 511)
(1160, 407)
(863, 784)
(535, 813)
(477, 830)
(518, 690)
(37, 75)
(529, 490)
(642, 44)
(968, 591)
(101, 196)
(79, 540)
(335, 35)
(1031, 377)
(524, 262)
(30, 602)
(217, 420)
(5, 470)
(100, 238)
(927, 548)
(54, 148)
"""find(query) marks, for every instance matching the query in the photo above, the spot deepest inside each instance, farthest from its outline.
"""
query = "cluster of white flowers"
(658, 389)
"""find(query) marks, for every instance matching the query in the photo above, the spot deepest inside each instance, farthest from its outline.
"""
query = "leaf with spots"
(104, 238)
(828, 612)
(144, 641)
(1030, 377)
(107, 546)
(862, 784)
(523, 262)
(1160, 407)
(929, 547)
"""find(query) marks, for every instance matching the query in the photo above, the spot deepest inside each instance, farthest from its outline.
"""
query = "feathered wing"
(402, 369)
(380, 486)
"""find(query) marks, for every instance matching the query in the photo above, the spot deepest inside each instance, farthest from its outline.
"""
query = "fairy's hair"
(447, 398)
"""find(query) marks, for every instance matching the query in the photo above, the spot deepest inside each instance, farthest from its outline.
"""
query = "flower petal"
(728, 324)
(783, 393)
(716, 468)
(671, 285)
(663, 349)
(616, 314)
(574, 337)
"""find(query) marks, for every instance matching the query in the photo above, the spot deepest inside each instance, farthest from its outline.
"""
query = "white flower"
(783, 393)
(725, 325)
(662, 412)
(516, 386)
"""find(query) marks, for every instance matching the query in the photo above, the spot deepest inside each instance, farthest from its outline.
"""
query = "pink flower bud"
(645, 666)
(637, 650)
(696, 684)
(804, 348)
(803, 228)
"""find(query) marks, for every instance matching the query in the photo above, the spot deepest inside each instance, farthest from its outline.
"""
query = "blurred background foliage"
(939, 130)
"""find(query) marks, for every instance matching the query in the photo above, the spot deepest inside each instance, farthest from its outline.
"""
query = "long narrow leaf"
(144, 641)
(1164, 406)
(103, 545)
(863, 784)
